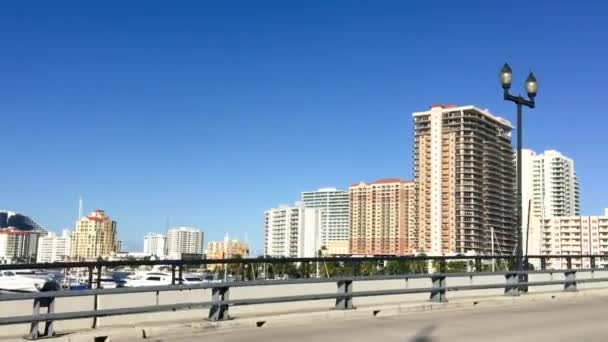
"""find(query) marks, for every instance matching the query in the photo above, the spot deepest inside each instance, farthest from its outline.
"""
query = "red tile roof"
(384, 181)
(95, 218)
(390, 180)
(13, 231)
(443, 105)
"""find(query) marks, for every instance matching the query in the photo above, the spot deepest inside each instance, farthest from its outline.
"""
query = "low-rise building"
(227, 249)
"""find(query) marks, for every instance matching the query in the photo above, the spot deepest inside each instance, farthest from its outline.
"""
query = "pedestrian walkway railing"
(515, 283)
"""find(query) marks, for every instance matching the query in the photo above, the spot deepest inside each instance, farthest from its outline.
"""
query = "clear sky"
(207, 113)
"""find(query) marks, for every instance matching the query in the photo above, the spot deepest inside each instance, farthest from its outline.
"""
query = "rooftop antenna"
(80, 208)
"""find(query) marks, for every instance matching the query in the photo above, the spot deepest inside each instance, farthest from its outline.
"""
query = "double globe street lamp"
(531, 85)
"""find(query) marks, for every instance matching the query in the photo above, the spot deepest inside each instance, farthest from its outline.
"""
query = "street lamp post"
(506, 77)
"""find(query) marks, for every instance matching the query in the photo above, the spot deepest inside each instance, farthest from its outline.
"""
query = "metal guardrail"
(341, 265)
(220, 295)
(273, 260)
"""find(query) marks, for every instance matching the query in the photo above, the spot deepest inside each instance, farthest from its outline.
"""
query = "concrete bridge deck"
(569, 319)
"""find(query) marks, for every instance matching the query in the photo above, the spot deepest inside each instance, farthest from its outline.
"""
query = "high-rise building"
(184, 240)
(9, 219)
(18, 237)
(18, 246)
(155, 245)
(53, 248)
(118, 246)
(334, 218)
(550, 188)
(464, 167)
(575, 235)
(95, 237)
(382, 217)
(292, 231)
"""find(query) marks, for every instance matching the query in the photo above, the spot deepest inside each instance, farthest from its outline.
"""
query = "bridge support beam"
(512, 285)
(345, 287)
(438, 289)
(570, 281)
(219, 310)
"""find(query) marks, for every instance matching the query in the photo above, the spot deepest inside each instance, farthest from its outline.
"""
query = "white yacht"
(35, 274)
(10, 281)
(190, 278)
(148, 279)
(108, 282)
(160, 278)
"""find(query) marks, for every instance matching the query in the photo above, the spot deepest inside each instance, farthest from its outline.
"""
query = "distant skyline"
(210, 113)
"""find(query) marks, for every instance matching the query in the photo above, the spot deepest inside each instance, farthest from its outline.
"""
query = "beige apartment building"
(382, 217)
(575, 235)
(95, 236)
(227, 249)
(464, 168)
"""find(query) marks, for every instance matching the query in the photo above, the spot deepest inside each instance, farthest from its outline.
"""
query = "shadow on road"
(424, 335)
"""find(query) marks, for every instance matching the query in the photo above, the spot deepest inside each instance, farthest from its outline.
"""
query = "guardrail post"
(96, 297)
(49, 331)
(172, 274)
(90, 283)
(512, 286)
(98, 276)
(570, 281)
(344, 302)
(180, 274)
(219, 311)
(443, 268)
(34, 325)
(438, 289)
(543, 263)
(523, 277)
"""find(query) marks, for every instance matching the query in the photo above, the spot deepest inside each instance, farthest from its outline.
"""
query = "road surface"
(576, 319)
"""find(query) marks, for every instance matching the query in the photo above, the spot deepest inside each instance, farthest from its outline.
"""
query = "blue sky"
(207, 113)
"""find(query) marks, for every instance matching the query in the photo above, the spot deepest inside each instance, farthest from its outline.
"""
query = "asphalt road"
(577, 319)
